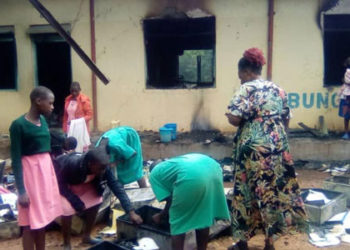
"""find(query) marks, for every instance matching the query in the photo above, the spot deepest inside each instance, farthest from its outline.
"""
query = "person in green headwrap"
(192, 186)
(124, 148)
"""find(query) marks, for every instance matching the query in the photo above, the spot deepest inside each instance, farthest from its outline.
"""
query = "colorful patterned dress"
(266, 192)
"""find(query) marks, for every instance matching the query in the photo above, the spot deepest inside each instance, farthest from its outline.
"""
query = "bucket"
(165, 134)
(173, 127)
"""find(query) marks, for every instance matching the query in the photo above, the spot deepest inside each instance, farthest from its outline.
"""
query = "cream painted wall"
(240, 24)
(21, 14)
(121, 55)
(298, 61)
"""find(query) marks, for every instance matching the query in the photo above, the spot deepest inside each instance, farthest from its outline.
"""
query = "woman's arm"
(285, 123)
(87, 109)
(16, 157)
(158, 217)
(118, 190)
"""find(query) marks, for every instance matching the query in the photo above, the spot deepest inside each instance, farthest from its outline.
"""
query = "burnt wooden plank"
(53, 22)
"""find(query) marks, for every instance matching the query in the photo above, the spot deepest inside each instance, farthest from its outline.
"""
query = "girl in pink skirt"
(39, 201)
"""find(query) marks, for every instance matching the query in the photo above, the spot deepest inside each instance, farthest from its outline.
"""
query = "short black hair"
(70, 143)
(97, 155)
(40, 92)
(245, 64)
(75, 85)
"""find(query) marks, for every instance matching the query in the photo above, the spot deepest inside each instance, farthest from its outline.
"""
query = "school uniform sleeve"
(160, 190)
(286, 112)
(118, 190)
(16, 155)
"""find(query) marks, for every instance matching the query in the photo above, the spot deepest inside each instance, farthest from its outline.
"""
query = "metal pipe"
(93, 58)
(271, 13)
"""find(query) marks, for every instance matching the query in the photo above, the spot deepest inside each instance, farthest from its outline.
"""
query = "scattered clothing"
(4, 190)
(194, 181)
(346, 136)
(78, 130)
(266, 193)
(124, 146)
(315, 196)
(332, 232)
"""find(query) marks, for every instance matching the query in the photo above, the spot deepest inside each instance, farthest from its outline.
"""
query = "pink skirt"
(86, 192)
(40, 183)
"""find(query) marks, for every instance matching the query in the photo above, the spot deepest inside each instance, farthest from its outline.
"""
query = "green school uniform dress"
(195, 183)
(125, 148)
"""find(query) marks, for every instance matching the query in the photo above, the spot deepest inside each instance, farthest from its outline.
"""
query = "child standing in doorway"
(39, 201)
(344, 105)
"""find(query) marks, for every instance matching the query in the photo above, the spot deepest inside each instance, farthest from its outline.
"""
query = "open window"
(8, 58)
(180, 52)
(336, 42)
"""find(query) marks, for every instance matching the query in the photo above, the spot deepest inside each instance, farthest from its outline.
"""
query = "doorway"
(53, 70)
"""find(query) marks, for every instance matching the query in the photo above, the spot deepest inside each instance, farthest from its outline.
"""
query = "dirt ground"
(307, 179)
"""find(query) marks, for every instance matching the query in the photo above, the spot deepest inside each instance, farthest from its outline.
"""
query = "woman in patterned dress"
(266, 192)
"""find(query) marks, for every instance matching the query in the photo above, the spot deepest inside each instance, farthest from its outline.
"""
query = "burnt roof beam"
(53, 22)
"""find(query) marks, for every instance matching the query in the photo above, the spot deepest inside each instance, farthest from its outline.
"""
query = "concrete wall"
(240, 24)
(22, 14)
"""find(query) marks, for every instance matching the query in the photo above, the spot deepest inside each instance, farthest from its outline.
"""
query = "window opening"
(8, 61)
(336, 40)
(180, 52)
(53, 70)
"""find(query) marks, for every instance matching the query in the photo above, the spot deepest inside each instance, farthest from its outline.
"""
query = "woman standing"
(192, 186)
(76, 105)
(39, 198)
(344, 105)
(266, 192)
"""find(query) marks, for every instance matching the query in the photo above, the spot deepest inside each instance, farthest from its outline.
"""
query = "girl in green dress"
(192, 186)
(124, 148)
